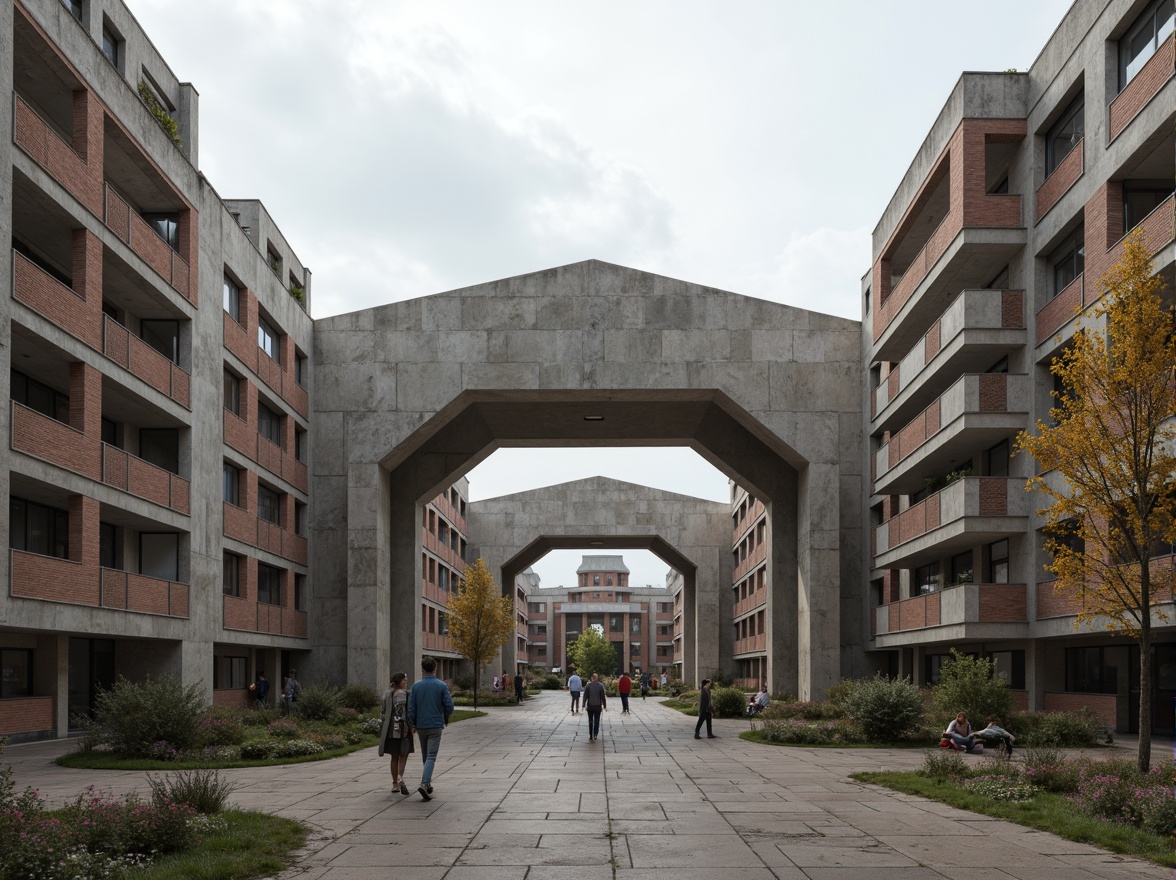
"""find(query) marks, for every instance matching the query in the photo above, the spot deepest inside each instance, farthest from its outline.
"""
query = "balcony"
(967, 611)
(132, 229)
(970, 511)
(261, 617)
(1060, 180)
(244, 526)
(40, 140)
(74, 583)
(1156, 73)
(144, 480)
(969, 337)
(976, 412)
(746, 645)
(127, 591)
(135, 355)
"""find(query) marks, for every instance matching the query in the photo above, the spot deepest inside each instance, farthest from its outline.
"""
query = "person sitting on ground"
(959, 733)
(763, 699)
(996, 732)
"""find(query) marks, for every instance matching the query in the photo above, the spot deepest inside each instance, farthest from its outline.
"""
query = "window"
(269, 505)
(996, 460)
(160, 447)
(167, 227)
(232, 393)
(1068, 261)
(163, 336)
(110, 45)
(300, 518)
(36, 395)
(933, 667)
(1010, 667)
(1068, 535)
(299, 592)
(608, 580)
(74, 7)
(231, 485)
(616, 623)
(1143, 38)
(159, 555)
(231, 581)
(442, 623)
(301, 447)
(269, 584)
(36, 528)
(274, 260)
(635, 624)
(998, 562)
(926, 579)
(107, 545)
(232, 299)
(634, 650)
(1065, 134)
(961, 568)
(229, 673)
(663, 607)
(16, 673)
(301, 370)
(596, 580)
(1087, 672)
(269, 424)
(1140, 199)
(267, 339)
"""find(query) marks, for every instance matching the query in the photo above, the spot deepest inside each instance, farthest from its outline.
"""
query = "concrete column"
(61, 687)
(819, 582)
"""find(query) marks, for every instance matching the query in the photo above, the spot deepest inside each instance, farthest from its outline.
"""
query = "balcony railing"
(144, 480)
(51, 151)
(131, 352)
(63, 580)
(963, 604)
(146, 242)
(128, 591)
(1146, 84)
(252, 616)
(1060, 180)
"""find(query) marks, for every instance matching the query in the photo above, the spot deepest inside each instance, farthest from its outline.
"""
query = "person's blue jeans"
(430, 739)
(575, 700)
(964, 741)
(593, 723)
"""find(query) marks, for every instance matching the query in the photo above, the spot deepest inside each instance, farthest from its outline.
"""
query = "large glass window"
(37, 528)
(160, 447)
(269, 424)
(231, 485)
(229, 673)
(163, 336)
(269, 584)
(1143, 38)
(926, 579)
(269, 505)
(1068, 260)
(997, 460)
(998, 562)
(1088, 673)
(1140, 199)
(231, 582)
(167, 227)
(1065, 134)
(39, 396)
(267, 339)
(159, 555)
(232, 299)
(232, 393)
(961, 568)
(16, 673)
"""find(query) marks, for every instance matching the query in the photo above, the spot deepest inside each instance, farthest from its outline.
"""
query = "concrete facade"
(985, 261)
(689, 534)
(413, 394)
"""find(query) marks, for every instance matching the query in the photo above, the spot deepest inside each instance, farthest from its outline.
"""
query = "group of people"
(960, 737)
(502, 684)
(291, 688)
(422, 711)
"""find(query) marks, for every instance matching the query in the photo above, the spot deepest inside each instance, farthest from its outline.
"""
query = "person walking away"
(704, 711)
(429, 707)
(665, 679)
(644, 685)
(595, 702)
(624, 688)
(291, 689)
(395, 732)
(520, 685)
(263, 691)
(575, 685)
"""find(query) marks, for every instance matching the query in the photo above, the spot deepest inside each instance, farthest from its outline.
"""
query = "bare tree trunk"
(477, 675)
(1145, 693)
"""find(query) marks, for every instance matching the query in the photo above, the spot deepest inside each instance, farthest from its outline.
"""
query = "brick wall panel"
(1012, 308)
(1060, 181)
(27, 715)
(993, 392)
(1102, 705)
(55, 580)
(1146, 84)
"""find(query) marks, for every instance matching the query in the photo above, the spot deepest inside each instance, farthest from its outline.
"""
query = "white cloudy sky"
(411, 148)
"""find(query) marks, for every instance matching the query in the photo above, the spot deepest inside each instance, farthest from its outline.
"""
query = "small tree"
(481, 619)
(970, 684)
(1113, 442)
(591, 652)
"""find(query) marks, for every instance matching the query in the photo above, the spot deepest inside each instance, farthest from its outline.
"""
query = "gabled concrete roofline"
(602, 483)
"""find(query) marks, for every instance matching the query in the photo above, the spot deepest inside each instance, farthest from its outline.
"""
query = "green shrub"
(728, 702)
(220, 730)
(359, 697)
(1153, 809)
(318, 702)
(808, 711)
(131, 716)
(794, 731)
(169, 126)
(259, 749)
(328, 741)
(296, 748)
(283, 728)
(259, 717)
(1000, 788)
(1047, 768)
(203, 790)
(943, 764)
(839, 692)
(464, 682)
(885, 709)
(970, 684)
(1059, 729)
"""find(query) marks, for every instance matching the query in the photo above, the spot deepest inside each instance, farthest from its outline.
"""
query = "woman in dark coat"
(395, 733)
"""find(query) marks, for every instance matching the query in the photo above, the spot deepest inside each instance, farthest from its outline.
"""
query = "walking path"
(522, 795)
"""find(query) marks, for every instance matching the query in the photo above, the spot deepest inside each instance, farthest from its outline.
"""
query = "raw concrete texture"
(758, 388)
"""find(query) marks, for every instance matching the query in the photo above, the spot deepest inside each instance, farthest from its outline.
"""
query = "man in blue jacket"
(429, 708)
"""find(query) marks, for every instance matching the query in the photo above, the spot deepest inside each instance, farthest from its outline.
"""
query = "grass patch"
(463, 714)
(254, 845)
(107, 761)
(683, 706)
(1046, 812)
(757, 736)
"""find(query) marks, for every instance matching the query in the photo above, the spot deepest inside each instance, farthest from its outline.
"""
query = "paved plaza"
(522, 795)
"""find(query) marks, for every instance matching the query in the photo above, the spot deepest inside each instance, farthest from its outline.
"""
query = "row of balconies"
(278, 375)
(246, 526)
(262, 617)
(78, 582)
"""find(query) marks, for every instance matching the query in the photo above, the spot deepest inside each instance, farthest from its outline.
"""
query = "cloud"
(820, 271)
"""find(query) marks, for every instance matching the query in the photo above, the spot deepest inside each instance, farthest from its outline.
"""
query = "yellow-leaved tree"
(1113, 446)
(481, 619)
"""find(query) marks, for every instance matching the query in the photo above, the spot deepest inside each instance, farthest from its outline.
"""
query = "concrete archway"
(689, 534)
(412, 395)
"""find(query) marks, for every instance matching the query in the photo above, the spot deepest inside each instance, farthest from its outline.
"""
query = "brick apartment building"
(443, 565)
(638, 621)
(749, 593)
(1013, 208)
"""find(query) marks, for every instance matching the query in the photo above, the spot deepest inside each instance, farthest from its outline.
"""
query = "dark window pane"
(163, 336)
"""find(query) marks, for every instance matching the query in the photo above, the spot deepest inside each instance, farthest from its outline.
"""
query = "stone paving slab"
(522, 795)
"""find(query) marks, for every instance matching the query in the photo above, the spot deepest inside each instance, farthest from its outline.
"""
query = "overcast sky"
(411, 148)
